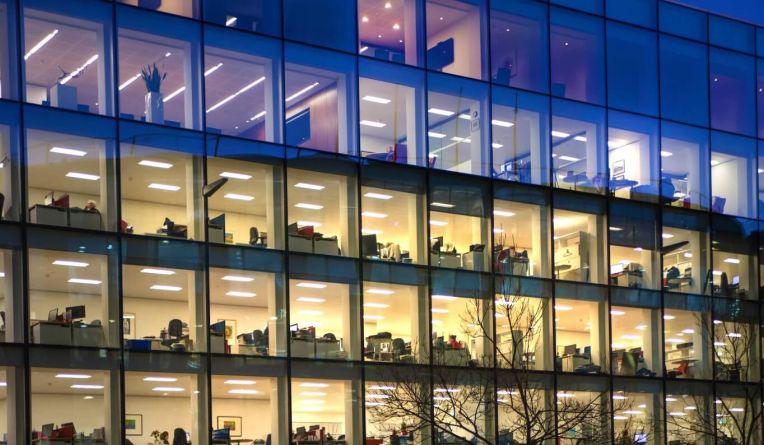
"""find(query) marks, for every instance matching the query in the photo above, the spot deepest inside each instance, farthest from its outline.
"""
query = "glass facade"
(380, 222)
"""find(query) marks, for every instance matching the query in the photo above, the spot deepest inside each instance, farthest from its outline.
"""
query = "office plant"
(154, 101)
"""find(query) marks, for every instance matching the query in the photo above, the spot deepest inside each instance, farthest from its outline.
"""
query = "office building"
(293, 221)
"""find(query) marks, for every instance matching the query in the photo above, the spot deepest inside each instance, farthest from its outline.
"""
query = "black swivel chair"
(174, 333)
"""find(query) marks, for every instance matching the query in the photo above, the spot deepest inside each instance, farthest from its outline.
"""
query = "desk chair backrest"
(399, 345)
(175, 328)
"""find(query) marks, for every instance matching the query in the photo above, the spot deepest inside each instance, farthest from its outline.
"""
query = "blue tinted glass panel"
(732, 80)
(682, 21)
(391, 30)
(577, 56)
(578, 141)
(684, 166)
(633, 156)
(8, 56)
(329, 23)
(639, 12)
(262, 16)
(593, 6)
(733, 175)
(456, 37)
(730, 34)
(760, 41)
(684, 81)
(632, 80)
(760, 96)
(520, 45)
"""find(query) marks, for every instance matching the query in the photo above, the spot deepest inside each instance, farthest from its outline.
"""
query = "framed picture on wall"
(133, 425)
(230, 328)
(128, 325)
(619, 167)
(232, 424)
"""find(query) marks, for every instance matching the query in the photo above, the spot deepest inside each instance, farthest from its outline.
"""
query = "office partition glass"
(579, 238)
(732, 80)
(684, 80)
(393, 215)
(248, 406)
(329, 24)
(689, 406)
(634, 247)
(391, 109)
(324, 406)
(520, 136)
(321, 208)
(635, 344)
(456, 37)
(578, 147)
(459, 223)
(684, 165)
(638, 12)
(10, 167)
(581, 326)
(395, 322)
(461, 328)
(70, 170)
(150, 395)
(260, 16)
(186, 8)
(12, 314)
(8, 51)
(161, 182)
(733, 175)
(391, 30)
(521, 232)
(523, 327)
(760, 96)
(247, 210)
(320, 83)
(463, 407)
(736, 341)
(637, 412)
(686, 252)
(632, 77)
(633, 158)
(67, 58)
(73, 298)
(520, 45)
(737, 411)
(687, 337)
(166, 49)
(577, 53)
(734, 254)
(526, 409)
(393, 405)
(456, 125)
(583, 410)
(242, 85)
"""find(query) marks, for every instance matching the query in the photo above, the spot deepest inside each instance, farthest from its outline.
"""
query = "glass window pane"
(520, 45)
(732, 104)
(520, 136)
(632, 81)
(11, 287)
(8, 51)
(10, 166)
(523, 332)
(242, 83)
(684, 160)
(456, 127)
(170, 94)
(394, 322)
(638, 12)
(581, 330)
(578, 56)
(736, 341)
(636, 340)
(683, 21)
(310, 408)
(686, 253)
(391, 110)
(578, 141)
(66, 59)
(591, 6)
(329, 23)
(731, 34)
(456, 37)
(684, 81)
(579, 239)
(687, 406)
(633, 157)
(687, 352)
(637, 411)
(391, 30)
(319, 83)
(634, 251)
(734, 257)
(760, 96)
(733, 175)
(248, 406)
(186, 8)
(456, 343)
(261, 16)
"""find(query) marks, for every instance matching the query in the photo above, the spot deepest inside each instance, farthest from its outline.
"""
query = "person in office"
(163, 437)
(453, 342)
(179, 437)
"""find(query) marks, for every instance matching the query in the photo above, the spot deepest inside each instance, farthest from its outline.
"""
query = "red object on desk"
(373, 442)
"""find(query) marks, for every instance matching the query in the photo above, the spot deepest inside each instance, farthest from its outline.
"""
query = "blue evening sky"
(746, 10)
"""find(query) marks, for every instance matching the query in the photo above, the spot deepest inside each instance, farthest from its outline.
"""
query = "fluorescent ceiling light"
(435, 135)
(503, 213)
(308, 223)
(310, 312)
(68, 151)
(230, 21)
(374, 124)
(238, 278)
(301, 92)
(376, 100)
(665, 154)
(239, 382)
(233, 96)
(441, 112)
(461, 139)
(311, 299)
(314, 385)
(442, 204)
(70, 263)
(666, 235)
(81, 386)
(499, 123)
(165, 187)
(79, 70)
(714, 162)
(151, 271)
(127, 83)
(309, 186)
(377, 196)
(617, 312)
(40, 44)
(437, 310)
(240, 294)
(579, 138)
(569, 158)
(167, 389)
(174, 94)
(73, 376)
(164, 287)
(258, 115)
(312, 285)
(244, 391)
(373, 317)
(668, 317)
(304, 205)
(376, 305)
(234, 175)
(377, 291)
(83, 281)
(371, 232)
(238, 197)
(155, 164)
(560, 134)
(732, 260)
(86, 176)
(363, 48)
(160, 379)
(496, 145)
(374, 215)
(465, 116)
(563, 308)
(434, 222)
(213, 69)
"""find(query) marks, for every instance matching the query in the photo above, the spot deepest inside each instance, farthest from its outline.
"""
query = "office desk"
(52, 333)
(87, 335)
(572, 361)
(452, 356)
(63, 216)
(442, 259)
(316, 348)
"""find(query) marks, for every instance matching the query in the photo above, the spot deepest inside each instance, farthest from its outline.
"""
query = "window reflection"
(684, 160)
(394, 322)
(579, 246)
(578, 155)
(577, 54)
(637, 413)
(186, 8)
(455, 37)
(461, 326)
(733, 175)
(388, 30)
(523, 332)
(686, 338)
(687, 406)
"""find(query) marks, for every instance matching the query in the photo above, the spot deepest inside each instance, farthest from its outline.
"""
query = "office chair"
(398, 347)
(174, 333)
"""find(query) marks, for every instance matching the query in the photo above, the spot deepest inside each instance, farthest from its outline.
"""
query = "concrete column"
(273, 104)
(110, 321)
(274, 204)
(105, 85)
(16, 405)
(420, 334)
(351, 325)
(353, 415)
(197, 311)
(413, 34)
(540, 243)
(597, 340)
(112, 405)
(194, 200)
(277, 336)
(14, 296)
(200, 429)
(279, 403)
(107, 190)
(651, 341)
(544, 350)
(192, 100)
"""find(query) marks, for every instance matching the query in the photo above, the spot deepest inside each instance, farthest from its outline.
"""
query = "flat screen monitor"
(570, 350)
(53, 314)
(369, 245)
(441, 55)
(75, 312)
(218, 221)
(736, 280)
(47, 430)
(640, 438)
(188, 437)
(436, 243)
(293, 328)
(298, 128)
(218, 328)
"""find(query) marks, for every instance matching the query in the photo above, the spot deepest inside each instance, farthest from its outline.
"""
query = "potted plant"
(155, 435)
(63, 95)
(154, 100)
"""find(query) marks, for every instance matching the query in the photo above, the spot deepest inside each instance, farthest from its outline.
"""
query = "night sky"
(746, 10)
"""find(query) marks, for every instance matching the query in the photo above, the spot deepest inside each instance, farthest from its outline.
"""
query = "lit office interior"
(325, 409)
(523, 331)
(578, 156)
(686, 253)
(633, 159)
(687, 352)
(455, 35)
(579, 241)
(388, 31)
(9, 150)
(634, 255)
(11, 300)
(733, 175)
(684, 157)
(594, 421)
(581, 330)
(7, 45)
(637, 411)
(636, 339)
(732, 257)
(394, 323)
(521, 232)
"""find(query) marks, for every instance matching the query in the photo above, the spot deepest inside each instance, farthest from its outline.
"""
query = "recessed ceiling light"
(559, 134)
(666, 235)
(376, 100)
(160, 379)
(442, 204)
(465, 116)
(165, 187)
(374, 124)
(312, 285)
(365, 19)
(240, 294)
(617, 312)
(230, 21)
(569, 158)
(151, 271)
(496, 145)
(377, 196)
(70, 263)
(164, 287)
(73, 376)
(434, 222)
(304, 205)
(374, 215)
(732, 260)
(388, 5)
(243, 391)
(234, 175)
(376, 305)
(83, 281)
(714, 162)
(40, 44)
(238, 197)
(238, 278)
(167, 389)
(239, 382)
(68, 151)
(363, 49)
(461, 139)
(311, 299)
(666, 154)
(309, 186)
(503, 213)
(373, 317)
(563, 308)
(86, 176)
(440, 112)
(377, 291)
(437, 310)
(301, 92)
(435, 135)
(499, 123)
(85, 386)
(155, 164)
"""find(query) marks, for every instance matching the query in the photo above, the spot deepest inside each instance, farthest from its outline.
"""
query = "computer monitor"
(314, 428)
(218, 221)
(188, 437)
(75, 312)
(369, 245)
(62, 201)
(293, 328)
(736, 280)
(218, 328)
(569, 350)
(47, 430)
(640, 438)
(436, 243)
(53, 314)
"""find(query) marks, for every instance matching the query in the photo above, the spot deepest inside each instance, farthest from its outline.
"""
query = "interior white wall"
(466, 35)
(729, 181)
(40, 302)
(86, 415)
(151, 315)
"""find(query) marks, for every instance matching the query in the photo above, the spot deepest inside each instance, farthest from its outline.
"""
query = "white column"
(196, 310)
(353, 416)
(112, 405)
(15, 405)
(279, 402)
(412, 34)
(14, 296)
(198, 409)
(192, 100)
